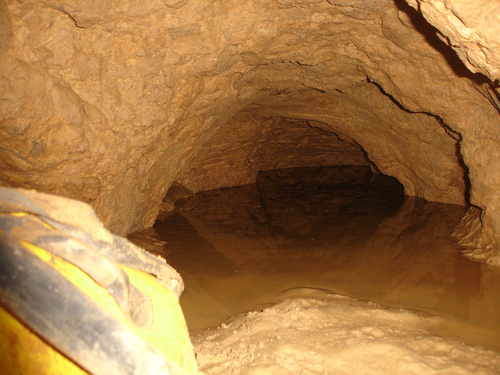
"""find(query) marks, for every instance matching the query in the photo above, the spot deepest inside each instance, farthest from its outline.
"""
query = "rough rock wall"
(255, 144)
(470, 28)
(110, 102)
(401, 144)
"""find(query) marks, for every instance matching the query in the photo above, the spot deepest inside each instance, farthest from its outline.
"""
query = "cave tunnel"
(126, 114)
(132, 105)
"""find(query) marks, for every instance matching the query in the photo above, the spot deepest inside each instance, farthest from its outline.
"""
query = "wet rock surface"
(336, 335)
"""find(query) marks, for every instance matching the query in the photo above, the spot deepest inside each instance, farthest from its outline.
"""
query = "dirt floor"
(336, 335)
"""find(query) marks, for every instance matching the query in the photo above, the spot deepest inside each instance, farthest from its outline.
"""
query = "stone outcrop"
(111, 103)
(470, 28)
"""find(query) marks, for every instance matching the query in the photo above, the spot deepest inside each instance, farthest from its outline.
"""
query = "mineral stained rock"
(112, 104)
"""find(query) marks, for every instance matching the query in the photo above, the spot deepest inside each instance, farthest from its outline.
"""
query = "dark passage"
(316, 231)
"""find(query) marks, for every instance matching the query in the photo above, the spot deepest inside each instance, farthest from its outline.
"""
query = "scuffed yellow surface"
(23, 352)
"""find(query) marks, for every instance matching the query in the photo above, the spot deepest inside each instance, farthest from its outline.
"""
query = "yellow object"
(23, 352)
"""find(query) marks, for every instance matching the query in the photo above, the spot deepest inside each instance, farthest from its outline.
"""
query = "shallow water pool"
(318, 232)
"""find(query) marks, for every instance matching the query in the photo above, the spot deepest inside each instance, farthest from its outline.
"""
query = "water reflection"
(326, 230)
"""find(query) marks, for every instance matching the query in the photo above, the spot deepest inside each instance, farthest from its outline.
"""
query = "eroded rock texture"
(470, 28)
(111, 103)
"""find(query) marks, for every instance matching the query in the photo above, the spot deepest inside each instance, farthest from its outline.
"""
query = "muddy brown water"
(316, 231)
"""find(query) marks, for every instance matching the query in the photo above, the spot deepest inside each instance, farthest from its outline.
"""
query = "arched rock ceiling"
(111, 102)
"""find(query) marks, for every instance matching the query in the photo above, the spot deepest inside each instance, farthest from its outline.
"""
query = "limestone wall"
(111, 102)
(249, 143)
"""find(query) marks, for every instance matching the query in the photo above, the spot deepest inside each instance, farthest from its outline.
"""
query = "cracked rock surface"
(112, 104)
